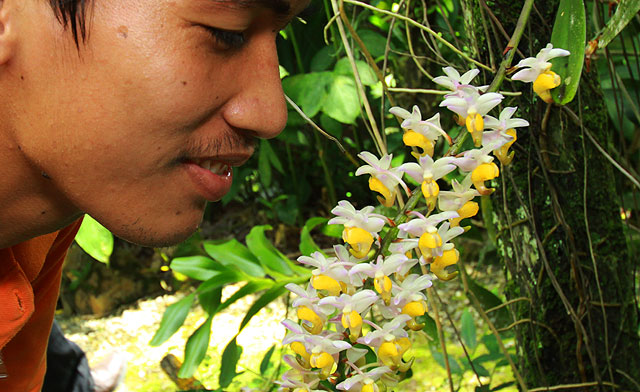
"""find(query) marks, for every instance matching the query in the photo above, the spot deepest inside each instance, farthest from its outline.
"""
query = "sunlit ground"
(131, 330)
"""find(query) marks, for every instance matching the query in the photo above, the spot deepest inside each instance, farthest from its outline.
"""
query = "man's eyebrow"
(281, 7)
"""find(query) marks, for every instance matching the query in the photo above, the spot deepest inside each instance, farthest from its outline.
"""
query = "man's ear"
(7, 33)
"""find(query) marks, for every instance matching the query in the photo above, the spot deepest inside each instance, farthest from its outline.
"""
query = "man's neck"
(30, 205)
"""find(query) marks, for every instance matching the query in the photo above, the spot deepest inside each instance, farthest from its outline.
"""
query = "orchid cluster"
(366, 296)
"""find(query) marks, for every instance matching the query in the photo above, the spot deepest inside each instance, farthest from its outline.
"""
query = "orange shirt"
(30, 275)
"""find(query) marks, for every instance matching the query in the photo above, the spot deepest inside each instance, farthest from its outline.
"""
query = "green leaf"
(323, 59)
(375, 42)
(261, 302)
(570, 33)
(266, 253)
(95, 239)
(489, 300)
(230, 358)
(367, 75)
(218, 281)
(249, 288)
(625, 11)
(343, 102)
(453, 364)
(264, 364)
(468, 330)
(308, 91)
(264, 167)
(503, 385)
(491, 343)
(481, 370)
(197, 267)
(172, 319)
(196, 349)
(334, 231)
(210, 300)
(307, 244)
(233, 253)
(430, 328)
(273, 157)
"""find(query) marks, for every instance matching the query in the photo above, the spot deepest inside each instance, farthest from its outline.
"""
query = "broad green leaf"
(95, 239)
(481, 370)
(308, 91)
(264, 364)
(331, 126)
(218, 281)
(230, 358)
(210, 300)
(375, 42)
(453, 364)
(429, 328)
(273, 158)
(172, 319)
(503, 385)
(264, 166)
(261, 302)
(343, 102)
(468, 330)
(367, 75)
(625, 11)
(196, 349)
(197, 267)
(491, 343)
(307, 244)
(570, 33)
(323, 59)
(334, 231)
(266, 253)
(489, 300)
(233, 253)
(249, 288)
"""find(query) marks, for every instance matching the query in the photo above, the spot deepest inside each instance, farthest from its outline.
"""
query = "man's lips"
(212, 176)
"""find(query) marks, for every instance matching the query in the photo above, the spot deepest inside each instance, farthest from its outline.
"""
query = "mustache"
(228, 143)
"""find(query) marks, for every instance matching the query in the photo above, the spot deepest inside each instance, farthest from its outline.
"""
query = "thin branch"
(423, 27)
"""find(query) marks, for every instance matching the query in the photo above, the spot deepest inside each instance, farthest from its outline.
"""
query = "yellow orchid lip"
(388, 196)
(475, 125)
(308, 315)
(544, 82)
(430, 190)
(468, 210)
(482, 173)
(502, 153)
(324, 282)
(412, 138)
(359, 239)
(449, 257)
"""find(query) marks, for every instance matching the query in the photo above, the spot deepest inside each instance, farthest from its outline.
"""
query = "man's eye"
(226, 38)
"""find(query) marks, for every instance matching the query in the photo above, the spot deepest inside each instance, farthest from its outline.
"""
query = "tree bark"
(557, 227)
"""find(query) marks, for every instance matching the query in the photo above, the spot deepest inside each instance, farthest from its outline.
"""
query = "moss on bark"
(544, 235)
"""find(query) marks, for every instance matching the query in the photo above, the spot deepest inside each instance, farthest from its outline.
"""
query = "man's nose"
(259, 106)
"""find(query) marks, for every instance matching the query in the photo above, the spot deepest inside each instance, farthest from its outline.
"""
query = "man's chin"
(159, 240)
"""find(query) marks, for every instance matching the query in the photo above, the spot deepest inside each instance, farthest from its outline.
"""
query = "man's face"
(139, 127)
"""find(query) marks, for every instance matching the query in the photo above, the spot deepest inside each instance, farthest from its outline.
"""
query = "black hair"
(72, 14)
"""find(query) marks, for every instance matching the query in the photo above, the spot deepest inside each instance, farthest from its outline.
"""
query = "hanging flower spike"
(538, 70)
(418, 133)
(364, 382)
(352, 307)
(505, 126)
(450, 256)
(360, 226)
(384, 178)
(453, 81)
(427, 173)
(471, 106)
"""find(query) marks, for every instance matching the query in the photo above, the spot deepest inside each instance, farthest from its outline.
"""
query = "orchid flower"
(538, 70)
(504, 126)
(453, 81)
(459, 200)
(360, 226)
(471, 106)
(380, 272)
(329, 276)
(352, 307)
(364, 382)
(418, 133)
(427, 173)
(408, 295)
(384, 178)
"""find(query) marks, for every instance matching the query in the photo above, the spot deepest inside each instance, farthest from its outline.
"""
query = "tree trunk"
(558, 228)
